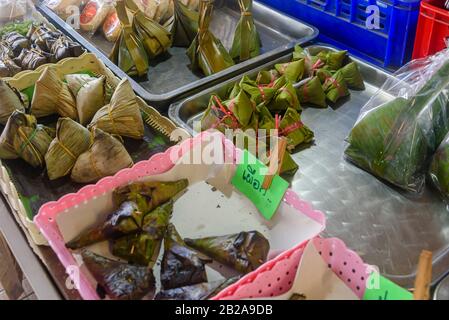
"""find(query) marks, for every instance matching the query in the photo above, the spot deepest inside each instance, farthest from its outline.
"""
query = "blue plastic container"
(343, 24)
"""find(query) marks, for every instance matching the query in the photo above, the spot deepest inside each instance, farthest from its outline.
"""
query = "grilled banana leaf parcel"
(149, 195)
(207, 53)
(120, 281)
(246, 43)
(129, 52)
(124, 221)
(244, 251)
(439, 169)
(143, 248)
(201, 291)
(180, 265)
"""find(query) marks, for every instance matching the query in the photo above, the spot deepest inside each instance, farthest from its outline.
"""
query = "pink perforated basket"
(158, 164)
(276, 276)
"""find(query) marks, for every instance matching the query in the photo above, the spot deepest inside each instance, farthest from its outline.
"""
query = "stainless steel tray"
(442, 290)
(384, 226)
(169, 77)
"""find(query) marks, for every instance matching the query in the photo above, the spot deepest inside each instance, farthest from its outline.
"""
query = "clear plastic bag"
(94, 14)
(11, 10)
(402, 125)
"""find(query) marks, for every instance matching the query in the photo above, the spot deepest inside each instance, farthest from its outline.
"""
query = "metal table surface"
(442, 290)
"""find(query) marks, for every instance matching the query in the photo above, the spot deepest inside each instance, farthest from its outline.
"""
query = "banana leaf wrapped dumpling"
(333, 59)
(10, 101)
(180, 265)
(285, 97)
(120, 280)
(335, 87)
(16, 42)
(312, 92)
(352, 76)
(244, 251)
(246, 43)
(105, 157)
(129, 52)
(260, 93)
(293, 71)
(294, 130)
(71, 140)
(122, 115)
(267, 77)
(52, 95)
(90, 95)
(24, 138)
(155, 38)
(207, 53)
(123, 221)
(149, 195)
(143, 247)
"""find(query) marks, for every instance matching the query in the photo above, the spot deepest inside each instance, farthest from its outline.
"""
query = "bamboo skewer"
(276, 159)
(423, 276)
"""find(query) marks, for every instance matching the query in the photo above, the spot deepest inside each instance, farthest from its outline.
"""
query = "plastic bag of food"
(439, 168)
(401, 126)
(112, 26)
(94, 14)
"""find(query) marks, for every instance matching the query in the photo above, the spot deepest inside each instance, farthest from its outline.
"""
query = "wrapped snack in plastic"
(112, 26)
(401, 126)
(94, 14)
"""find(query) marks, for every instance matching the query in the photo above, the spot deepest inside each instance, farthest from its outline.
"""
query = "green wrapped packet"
(312, 92)
(284, 98)
(267, 77)
(293, 71)
(294, 130)
(323, 74)
(335, 87)
(352, 76)
(259, 93)
(185, 25)
(246, 43)
(333, 59)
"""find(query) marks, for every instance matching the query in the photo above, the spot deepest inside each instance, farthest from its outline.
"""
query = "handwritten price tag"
(248, 180)
(380, 288)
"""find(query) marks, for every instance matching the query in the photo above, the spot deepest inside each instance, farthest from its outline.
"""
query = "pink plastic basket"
(276, 276)
(159, 163)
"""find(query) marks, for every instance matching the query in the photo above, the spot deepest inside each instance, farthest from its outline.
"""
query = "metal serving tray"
(384, 226)
(169, 77)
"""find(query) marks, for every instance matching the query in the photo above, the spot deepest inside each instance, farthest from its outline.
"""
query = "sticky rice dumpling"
(24, 138)
(244, 251)
(335, 87)
(246, 43)
(143, 247)
(439, 169)
(180, 265)
(16, 42)
(121, 222)
(90, 97)
(284, 98)
(10, 101)
(260, 93)
(333, 59)
(149, 195)
(267, 77)
(120, 280)
(207, 53)
(122, 115)
(71, 140)
(294, 129)
(312, 92)
(155, 38)
(218, 116)
(185, 25)
(293, 71)
(52, 95)
(129, 52)
(352, 76)
(105, 157)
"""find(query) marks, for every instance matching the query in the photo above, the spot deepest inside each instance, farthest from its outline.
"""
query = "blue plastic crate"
(343, 24)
